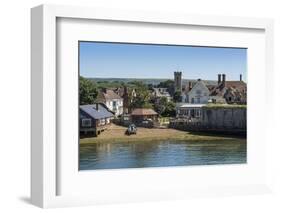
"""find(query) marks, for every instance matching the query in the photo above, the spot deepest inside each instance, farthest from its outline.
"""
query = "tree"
(177, 96)
(87, 91)
(160, 105)
(166, 84)
(170, 109)
(142, 98)
(169, 84)
(165, 108)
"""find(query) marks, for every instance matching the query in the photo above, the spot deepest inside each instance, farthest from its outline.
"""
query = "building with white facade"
(197, 94)
(190, 111)
(158, 93)
(112, 100)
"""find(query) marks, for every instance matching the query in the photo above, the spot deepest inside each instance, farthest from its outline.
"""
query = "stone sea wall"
(228, 120)
(224, 118)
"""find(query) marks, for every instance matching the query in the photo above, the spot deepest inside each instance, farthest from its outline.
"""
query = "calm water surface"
(161, 154)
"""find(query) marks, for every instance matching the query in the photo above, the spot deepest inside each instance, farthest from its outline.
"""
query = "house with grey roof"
(94, 118)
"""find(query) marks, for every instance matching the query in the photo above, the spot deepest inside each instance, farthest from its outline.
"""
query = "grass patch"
(225, 106)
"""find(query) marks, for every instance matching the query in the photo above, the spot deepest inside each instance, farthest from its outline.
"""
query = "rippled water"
(161, 154)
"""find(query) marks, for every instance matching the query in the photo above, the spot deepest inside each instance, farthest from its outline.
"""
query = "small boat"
(132, 129)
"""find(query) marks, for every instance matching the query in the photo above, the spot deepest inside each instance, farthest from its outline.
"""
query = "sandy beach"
(116, 133)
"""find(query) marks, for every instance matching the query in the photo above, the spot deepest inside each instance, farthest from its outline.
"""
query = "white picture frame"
(45, 172)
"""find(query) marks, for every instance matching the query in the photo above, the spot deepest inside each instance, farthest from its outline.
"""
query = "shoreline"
(117, 134)
(117, 140)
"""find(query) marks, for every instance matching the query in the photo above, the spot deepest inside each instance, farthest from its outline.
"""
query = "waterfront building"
(197, 94)
(144, 117)
(189, 111)
(94, 118)
(234, 92)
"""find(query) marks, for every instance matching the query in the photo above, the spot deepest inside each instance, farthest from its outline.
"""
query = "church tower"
(178, 81)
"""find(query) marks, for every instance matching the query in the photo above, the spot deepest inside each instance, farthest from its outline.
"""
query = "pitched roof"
(120, 91)
(101, 112)
(110, 94)
(239, 86)
(188, 87)
(210, 87)
(161, 92)
(107, 94)
(199, 81)
(143, 111)
(235, 92)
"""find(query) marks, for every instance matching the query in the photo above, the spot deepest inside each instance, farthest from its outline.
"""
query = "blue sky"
(116, 60)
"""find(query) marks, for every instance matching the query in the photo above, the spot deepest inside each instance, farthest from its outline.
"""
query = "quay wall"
(227, 120)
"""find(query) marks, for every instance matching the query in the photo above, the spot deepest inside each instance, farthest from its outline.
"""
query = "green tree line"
(88, 92)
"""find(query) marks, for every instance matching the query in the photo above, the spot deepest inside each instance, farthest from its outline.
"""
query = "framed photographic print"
(135, 113)
(130, 106)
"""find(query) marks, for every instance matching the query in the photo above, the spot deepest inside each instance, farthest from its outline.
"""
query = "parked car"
(147, 123)
(132, 129)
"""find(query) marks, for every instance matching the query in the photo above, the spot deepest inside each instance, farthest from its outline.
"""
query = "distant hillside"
(153, 81)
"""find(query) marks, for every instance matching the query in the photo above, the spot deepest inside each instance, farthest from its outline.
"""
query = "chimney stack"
(219, 78)
(104, 90)
(240, 77)
(97, 106)
(223, 79)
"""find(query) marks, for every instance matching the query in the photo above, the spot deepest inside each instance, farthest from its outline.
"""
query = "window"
(86, 122)
(192, 100)
(102, 121)
(114, 105)
(198, 113)
(192, 113)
